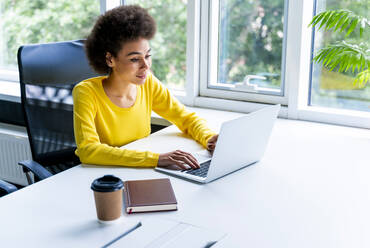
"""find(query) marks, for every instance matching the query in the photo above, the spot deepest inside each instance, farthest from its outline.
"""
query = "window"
(225, 54)
(330, 88)
(169, 43)
(26, 22)
(246, 50)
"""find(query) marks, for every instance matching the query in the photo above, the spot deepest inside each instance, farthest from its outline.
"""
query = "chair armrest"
(35, 168)
(7, 187)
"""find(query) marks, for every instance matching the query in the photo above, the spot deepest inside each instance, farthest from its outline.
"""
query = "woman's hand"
(211, 144)
(178, 158)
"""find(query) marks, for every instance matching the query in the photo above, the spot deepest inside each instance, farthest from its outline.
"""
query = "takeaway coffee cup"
(108, 198)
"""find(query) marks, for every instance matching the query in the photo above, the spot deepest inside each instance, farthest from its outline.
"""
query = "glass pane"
(330, 88)
(169, 43)
(40, 21)
(250, 44)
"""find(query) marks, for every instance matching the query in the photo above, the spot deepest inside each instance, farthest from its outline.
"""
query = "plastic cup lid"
(107, 183)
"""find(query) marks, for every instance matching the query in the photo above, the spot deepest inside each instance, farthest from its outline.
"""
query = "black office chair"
(47, 75)
(6, 188)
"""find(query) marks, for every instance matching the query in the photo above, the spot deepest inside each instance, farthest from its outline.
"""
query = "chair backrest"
(48, 72)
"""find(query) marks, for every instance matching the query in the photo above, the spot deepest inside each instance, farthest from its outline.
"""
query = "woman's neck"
(115, 87)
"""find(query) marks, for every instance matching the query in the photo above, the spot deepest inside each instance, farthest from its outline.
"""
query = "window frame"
(209, 53)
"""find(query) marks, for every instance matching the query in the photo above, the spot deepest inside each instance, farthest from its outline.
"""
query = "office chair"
(47, 75)
(6, 188)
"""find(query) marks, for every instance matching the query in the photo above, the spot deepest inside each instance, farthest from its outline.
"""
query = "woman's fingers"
(211, 147)
(186, 158)
(190, 157)
(180, 158)
(211, 144)
(213, 139)
(178, 163)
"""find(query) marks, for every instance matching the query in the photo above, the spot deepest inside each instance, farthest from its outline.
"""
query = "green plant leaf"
(325, 20)
(341, 20)
(329, 57)
(346, 23)
(349, 63)
(362, 78)
(362, 64)
(330, 20)
(352, 27)
(334, 21)
(343, 57)
(316, 19)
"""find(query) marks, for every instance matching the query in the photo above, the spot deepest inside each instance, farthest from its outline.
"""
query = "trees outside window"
(40, 21)
(251, 42)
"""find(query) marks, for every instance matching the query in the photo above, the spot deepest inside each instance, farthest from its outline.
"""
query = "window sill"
(10, 91)
(321, 129)
(343, 117)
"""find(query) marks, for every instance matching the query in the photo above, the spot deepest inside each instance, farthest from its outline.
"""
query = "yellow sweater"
(101, 127)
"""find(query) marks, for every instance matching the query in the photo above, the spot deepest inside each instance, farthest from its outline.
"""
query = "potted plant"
(343, 56)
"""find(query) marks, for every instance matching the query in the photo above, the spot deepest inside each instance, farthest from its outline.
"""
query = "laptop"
(241, 142)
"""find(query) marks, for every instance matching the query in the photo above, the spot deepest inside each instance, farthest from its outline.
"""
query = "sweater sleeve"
(89, 148)
(171, 109)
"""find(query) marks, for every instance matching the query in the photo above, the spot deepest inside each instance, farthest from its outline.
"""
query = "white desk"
(312, 189)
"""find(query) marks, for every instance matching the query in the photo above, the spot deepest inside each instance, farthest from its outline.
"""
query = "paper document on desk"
(161, 233)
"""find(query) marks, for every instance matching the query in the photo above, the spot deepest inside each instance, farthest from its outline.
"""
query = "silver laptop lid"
(242, 141)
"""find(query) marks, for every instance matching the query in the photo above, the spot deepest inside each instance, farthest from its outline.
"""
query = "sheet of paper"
(161, 233)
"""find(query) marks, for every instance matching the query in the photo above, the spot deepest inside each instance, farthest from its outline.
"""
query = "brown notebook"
(149, 195)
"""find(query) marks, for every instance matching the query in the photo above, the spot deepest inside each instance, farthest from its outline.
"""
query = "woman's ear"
(109, 59)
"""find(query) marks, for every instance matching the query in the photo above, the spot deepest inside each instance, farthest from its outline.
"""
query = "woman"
(111, 111)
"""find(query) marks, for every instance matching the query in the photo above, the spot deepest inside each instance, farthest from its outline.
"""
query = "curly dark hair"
(113, 29)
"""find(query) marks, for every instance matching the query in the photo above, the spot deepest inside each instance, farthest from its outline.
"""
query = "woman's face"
(132, 63)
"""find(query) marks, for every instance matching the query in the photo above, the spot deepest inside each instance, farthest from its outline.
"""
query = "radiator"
(14, 147)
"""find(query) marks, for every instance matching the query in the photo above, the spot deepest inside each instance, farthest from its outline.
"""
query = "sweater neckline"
(111, 104)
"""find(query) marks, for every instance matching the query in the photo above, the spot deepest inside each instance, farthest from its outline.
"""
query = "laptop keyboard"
(202, 171)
